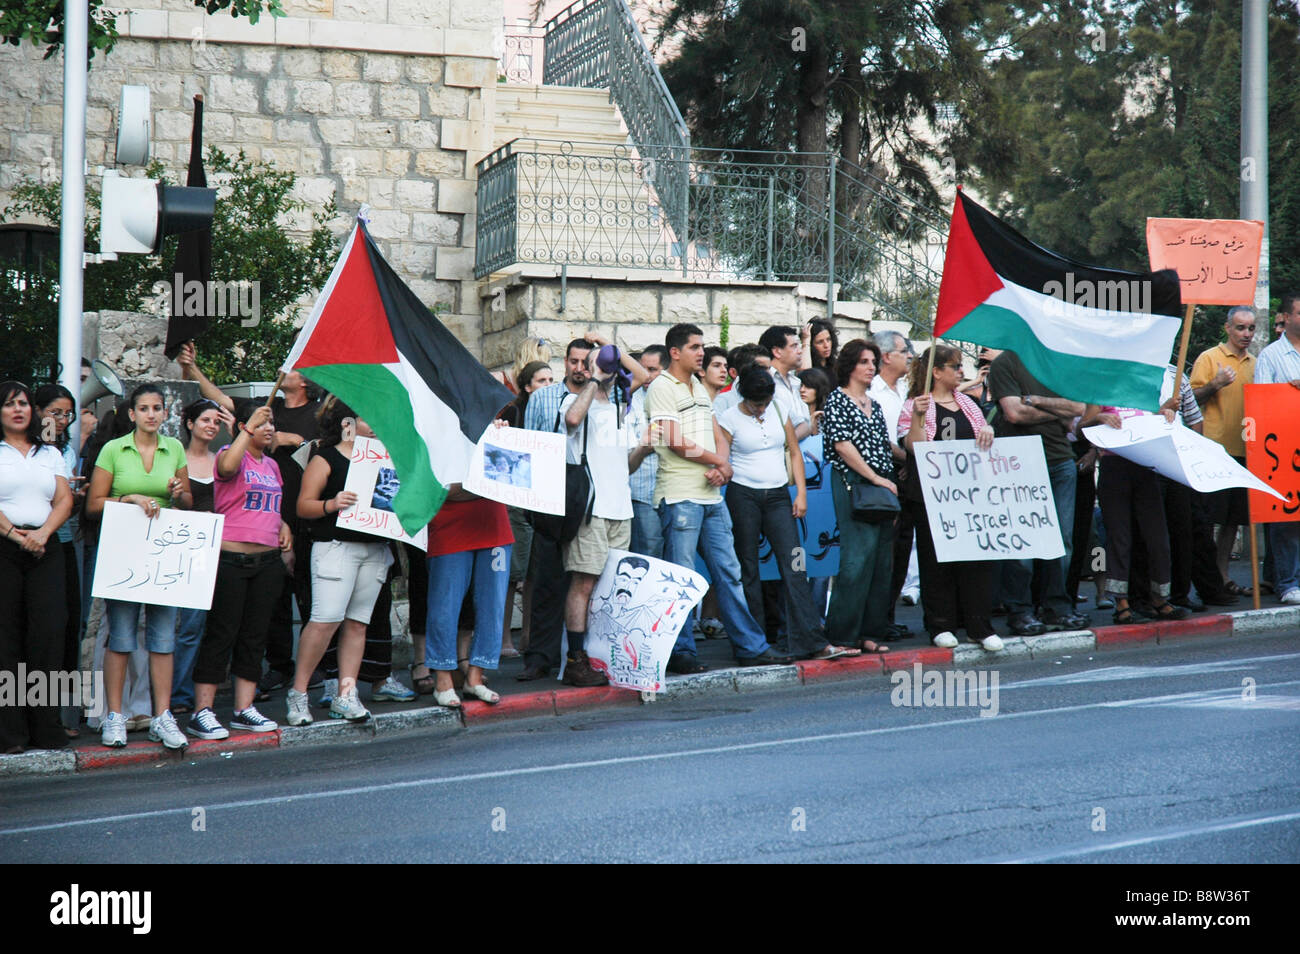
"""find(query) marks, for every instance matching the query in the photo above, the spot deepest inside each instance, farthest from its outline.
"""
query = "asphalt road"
(1143, 755)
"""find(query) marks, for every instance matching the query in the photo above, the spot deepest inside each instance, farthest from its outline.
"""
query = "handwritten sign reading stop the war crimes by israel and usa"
(989, 505)
(167, 560)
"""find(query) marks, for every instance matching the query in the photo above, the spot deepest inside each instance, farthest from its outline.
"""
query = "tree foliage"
(250, 242)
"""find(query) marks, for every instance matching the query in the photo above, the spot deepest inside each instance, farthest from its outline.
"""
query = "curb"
(555, 702)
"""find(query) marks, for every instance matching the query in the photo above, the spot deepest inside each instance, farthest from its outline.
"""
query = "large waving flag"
(1091, 334)
(371, 341)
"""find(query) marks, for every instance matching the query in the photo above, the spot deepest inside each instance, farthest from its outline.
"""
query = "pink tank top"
(250, 501)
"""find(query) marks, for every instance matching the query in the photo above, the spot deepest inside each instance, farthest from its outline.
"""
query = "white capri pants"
(345, 579)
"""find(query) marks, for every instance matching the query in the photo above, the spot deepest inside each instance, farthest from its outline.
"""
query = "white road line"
(974, 719)
(1190, 831)
(1116, 673)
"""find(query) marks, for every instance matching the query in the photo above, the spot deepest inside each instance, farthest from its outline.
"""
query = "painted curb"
(435, 717)
(38, 762)
(1261, 620)
(757, 678)
(906, 658)
(846, 667)
(700, 684)
(596, 697)
(146, 753)
(1057, 644)
(529, 704)
(1124, 635)
(1219, 625)
(1013, 647)
(327, 730)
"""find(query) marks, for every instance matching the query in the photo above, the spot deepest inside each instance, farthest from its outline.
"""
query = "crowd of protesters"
(692, 454)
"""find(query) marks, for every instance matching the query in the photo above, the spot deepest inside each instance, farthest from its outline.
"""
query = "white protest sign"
(637, 608)
(373, 479)
(170, 560)
(1176, 452)
(989, 505)
(520, 468)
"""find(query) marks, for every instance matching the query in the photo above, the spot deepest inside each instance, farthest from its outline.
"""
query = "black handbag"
(579, 499)
(872, 504)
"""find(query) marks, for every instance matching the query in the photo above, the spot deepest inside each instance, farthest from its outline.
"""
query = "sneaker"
(204, 725)
(327, 695)
(164, 729)
(298, 713)
(393, 691)
(272, 681)
(992, 644)
(910, 596)
(250, 720)
(712, 628)
(113, 733)
(945, 641)
(578, 672)
(1025, 624)
(346, 705)
(1291, 596)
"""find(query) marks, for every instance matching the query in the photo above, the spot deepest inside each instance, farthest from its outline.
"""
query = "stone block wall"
(380, 102)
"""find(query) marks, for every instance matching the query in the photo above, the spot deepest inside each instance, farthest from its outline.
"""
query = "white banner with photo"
(520, 468)
(637, 608)
(167, 560)
(989, 505)
(372, 477)
(1177, 452)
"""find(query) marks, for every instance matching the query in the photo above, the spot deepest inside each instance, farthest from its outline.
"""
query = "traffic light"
(137, 214)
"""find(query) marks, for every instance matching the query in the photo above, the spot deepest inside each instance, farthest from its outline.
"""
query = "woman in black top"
(857, 446)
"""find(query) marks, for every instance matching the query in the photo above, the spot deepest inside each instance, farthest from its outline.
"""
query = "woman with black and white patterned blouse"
(856, 440)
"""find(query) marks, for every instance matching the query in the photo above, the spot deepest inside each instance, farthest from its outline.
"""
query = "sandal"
(424, 685)
(867, 646)
(480, 691)
(447, 699)
(831, 651)
(1236, 589)
(1168, 611)
(1129, 617)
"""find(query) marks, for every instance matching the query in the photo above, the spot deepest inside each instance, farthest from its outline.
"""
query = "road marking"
(602, 763)
(1190, 831)
(1116, 673)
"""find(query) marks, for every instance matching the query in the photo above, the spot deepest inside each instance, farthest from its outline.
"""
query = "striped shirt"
(643, 478)
(544, 407)
(1279, 363)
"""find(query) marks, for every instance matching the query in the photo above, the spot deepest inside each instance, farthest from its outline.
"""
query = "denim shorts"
(124, 618)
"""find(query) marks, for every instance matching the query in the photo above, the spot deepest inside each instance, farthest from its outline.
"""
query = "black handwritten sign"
(1273, 450)
(167, 560)
(989, 505)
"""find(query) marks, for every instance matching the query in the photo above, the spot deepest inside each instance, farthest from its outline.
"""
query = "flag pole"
(1182, 351)
(279, 380)
(1254, 565)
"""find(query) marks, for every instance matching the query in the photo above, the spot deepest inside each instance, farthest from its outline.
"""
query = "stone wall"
(637, 313)
(367, 101)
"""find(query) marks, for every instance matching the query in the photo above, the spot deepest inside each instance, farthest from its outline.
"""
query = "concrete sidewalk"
(547, 697)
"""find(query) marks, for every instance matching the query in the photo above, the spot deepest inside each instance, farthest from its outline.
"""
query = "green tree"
(41, 21)
(249, 243)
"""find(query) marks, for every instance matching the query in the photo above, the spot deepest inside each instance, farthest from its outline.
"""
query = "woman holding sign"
(246, 490)
(147, 469)
(959, 593)
(34, 502)
(348, 568)
(1129, 495)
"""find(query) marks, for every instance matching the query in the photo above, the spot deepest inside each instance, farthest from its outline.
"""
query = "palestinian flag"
(1091, 334)
(375, 345)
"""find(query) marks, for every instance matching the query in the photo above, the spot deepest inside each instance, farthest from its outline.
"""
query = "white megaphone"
(102, 381)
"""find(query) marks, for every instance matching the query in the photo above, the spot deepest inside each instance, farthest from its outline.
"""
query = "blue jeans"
(450, 576)
(1284, 545)
(690, 527)
(159, 626)
(189, 632)
(647, 532)
(1018, 575)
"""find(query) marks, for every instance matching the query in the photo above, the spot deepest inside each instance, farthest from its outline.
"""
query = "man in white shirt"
(607, 438)
(889, 390)
(787, 356)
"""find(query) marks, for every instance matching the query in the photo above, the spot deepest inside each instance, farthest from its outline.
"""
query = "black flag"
(189, 312)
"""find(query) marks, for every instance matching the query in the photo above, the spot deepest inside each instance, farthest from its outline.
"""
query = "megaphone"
(136, 214)
(102, 381)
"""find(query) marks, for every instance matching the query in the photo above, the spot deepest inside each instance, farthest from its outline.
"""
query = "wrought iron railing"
(598, 44)
(522, 53)
(748, 216)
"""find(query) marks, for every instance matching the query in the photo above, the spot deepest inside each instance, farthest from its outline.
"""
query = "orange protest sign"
(1272, 426)
(1217, 260)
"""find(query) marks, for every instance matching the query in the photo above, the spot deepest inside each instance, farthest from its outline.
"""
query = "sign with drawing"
(373, 479)
(519, 468)
(637, 608)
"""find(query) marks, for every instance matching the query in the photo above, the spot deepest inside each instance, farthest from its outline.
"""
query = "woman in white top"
(763, 452)
(34, 503)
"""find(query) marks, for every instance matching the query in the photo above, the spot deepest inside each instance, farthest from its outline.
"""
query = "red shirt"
(469, 525)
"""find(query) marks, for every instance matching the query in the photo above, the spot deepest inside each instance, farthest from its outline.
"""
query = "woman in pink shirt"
(246, 490)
